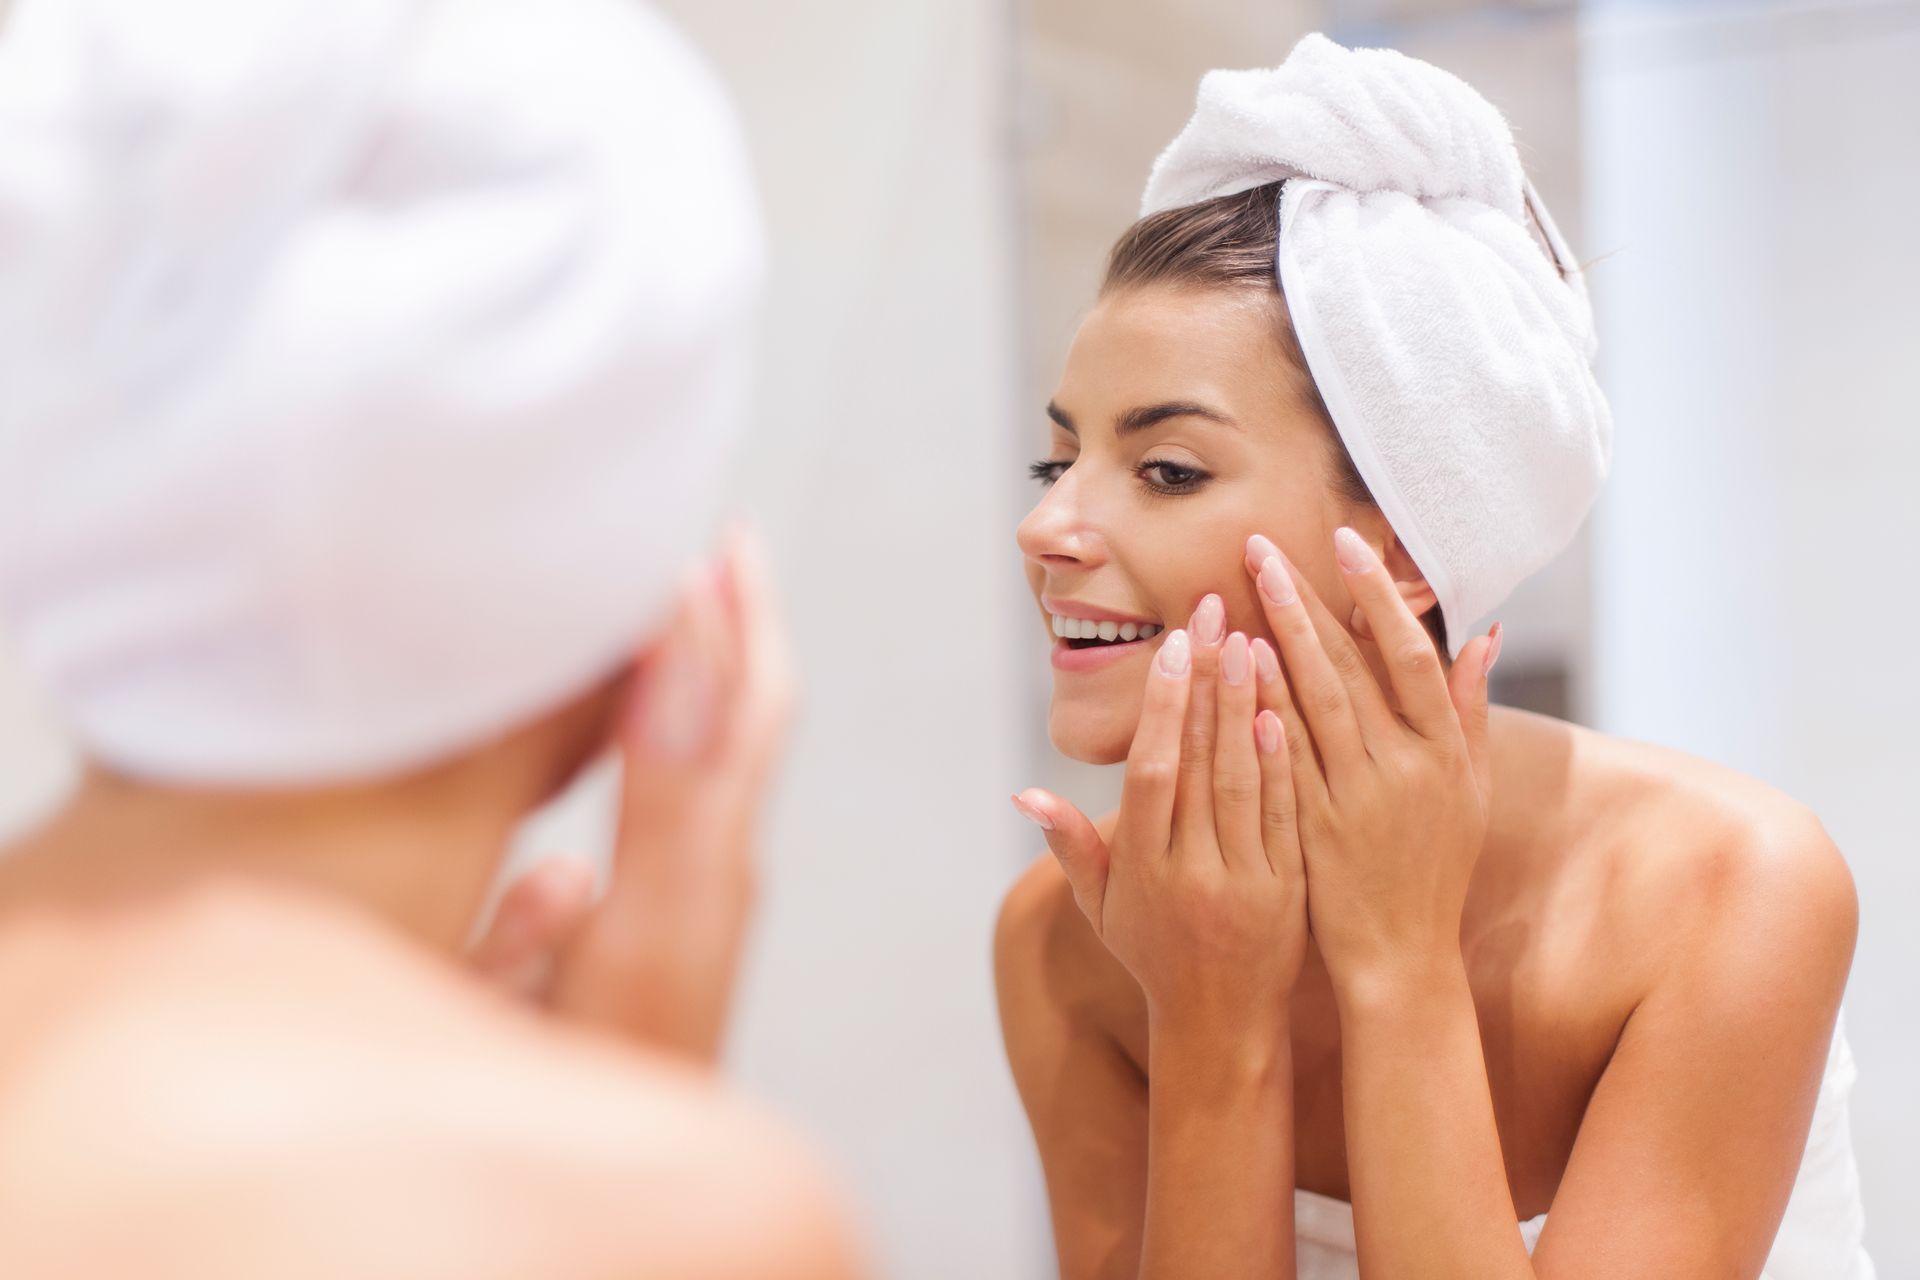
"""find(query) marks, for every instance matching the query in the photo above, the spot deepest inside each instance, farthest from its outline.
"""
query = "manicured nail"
(1209, 620)
(1352, 551)
(1266, 662)
(1267, 733)
(1259, 548)
(1493, 650)
(1032, 813)
(1276, 584)
(677, 705)
(1236, 664)
(1175, 655)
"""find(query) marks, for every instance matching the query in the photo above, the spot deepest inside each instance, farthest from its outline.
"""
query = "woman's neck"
(419, 854)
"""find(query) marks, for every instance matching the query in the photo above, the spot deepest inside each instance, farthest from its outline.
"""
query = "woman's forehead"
(1216, 347)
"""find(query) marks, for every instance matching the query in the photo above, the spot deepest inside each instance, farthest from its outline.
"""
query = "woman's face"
(1177, 432)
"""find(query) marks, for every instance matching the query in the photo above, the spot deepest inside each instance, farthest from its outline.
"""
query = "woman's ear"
(1407, 578)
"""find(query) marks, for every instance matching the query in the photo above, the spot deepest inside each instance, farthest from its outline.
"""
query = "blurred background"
(943, 179)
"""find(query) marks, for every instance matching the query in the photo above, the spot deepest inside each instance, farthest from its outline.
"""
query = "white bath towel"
(1443, 319)
(368, 368)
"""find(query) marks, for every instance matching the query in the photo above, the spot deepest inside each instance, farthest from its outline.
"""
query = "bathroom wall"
(1752, 173)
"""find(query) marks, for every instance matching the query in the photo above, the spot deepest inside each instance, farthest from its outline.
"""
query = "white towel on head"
(1450, 337)
(368, 368)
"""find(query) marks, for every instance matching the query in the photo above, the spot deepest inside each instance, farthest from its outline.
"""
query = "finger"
(1468, 689)
(1193, 799)
(676, 700)
(1413, 664)
(1318, 688)
(1236, 771)
(1304, 769)
(764, 711)
(1153, 762)
(1075, 845)
(536, 916)
(1279, 806)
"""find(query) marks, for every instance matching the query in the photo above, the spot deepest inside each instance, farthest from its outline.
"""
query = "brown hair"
(1232, 242)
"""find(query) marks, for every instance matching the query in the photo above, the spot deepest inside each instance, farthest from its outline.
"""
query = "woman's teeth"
(1088, 629)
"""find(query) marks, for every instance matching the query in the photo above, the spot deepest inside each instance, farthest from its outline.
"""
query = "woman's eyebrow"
(1152, 415)
(1146, 417)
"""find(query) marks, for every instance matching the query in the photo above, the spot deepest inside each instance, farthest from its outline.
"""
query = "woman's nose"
(1057, 533)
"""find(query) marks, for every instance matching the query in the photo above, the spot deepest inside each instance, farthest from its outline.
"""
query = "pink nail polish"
(1236, 663)
(1032, 813)
(1209, 620)
(676, 705)
(1266, 662)
(1352, 551)
(1267, 732)
(1175, 655)
(1493, 650)
(1276, 584)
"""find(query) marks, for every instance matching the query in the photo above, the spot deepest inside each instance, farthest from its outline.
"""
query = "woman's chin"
(1091, 734)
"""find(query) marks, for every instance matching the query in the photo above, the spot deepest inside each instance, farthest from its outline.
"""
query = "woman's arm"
(1222, 1118)
(1219, 1154)
(1062, 1001)
(1199, 895)
(1691, 1141)
(1686, 1155)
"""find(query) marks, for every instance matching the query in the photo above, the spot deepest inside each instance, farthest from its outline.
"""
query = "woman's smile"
(1091, 638)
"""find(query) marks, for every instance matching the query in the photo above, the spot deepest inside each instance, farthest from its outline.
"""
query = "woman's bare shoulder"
(1677, 847)
(1049, 965)
(287, 1087)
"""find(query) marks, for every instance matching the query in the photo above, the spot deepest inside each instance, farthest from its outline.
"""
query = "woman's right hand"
(655, 958)
(1201, 893)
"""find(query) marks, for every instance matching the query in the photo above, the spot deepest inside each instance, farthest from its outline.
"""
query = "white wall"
(1754, 172)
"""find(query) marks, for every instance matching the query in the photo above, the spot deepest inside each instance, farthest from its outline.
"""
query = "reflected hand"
(657, 956)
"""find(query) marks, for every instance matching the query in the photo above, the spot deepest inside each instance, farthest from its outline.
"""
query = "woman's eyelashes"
(1047, 470)
(1159, 477)
(1170, 477)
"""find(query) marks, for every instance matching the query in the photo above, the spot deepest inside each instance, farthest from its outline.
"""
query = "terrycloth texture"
(1819, 1236)
(1450, 348)
(368, 368)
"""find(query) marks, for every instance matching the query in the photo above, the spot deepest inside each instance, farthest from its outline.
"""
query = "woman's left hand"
(1393, 800)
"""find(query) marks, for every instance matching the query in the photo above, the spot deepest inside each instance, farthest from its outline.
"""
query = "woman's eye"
(1171, 477)
(1047, 471)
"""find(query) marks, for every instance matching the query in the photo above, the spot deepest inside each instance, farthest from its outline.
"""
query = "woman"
(371, 370)
(1364, 972)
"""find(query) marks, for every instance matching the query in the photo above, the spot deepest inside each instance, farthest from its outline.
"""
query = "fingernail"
(1259, 548)
(1235, 663)
(1266, 662)
(1174, 656)
(1032, 813)
(1267, 733)
(676, 706)
(1493, 650)
(1276, 584)
(1209, 620)
(1352, 551)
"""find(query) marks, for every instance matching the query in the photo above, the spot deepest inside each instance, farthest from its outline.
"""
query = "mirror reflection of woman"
(371, 371)
(1365, 976)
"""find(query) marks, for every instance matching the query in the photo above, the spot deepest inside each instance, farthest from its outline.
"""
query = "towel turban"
(1443, 319)
(368, 368)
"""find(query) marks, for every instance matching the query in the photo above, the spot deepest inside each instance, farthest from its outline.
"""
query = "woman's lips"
(1096, 657)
